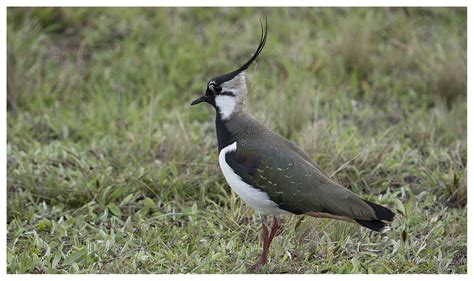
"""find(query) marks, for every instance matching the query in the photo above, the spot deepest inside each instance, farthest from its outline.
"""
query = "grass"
(111, 171)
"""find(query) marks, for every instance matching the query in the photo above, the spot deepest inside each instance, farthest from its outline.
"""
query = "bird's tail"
(381, 224)
(384, 217)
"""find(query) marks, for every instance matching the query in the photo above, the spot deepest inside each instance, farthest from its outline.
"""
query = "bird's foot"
(261, 261)
(257, 265)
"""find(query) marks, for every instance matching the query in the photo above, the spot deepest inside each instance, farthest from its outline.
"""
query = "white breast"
(254, 197)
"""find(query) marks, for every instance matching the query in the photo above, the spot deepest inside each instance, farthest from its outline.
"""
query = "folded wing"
(295, 182)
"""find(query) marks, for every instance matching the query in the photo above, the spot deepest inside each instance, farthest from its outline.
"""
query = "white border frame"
(207, 3)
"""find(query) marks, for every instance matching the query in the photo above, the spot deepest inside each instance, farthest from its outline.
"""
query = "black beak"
(199, 100)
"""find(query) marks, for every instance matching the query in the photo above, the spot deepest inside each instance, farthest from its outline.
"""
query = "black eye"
(217, 88)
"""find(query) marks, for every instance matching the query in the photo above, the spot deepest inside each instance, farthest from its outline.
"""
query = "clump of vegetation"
(111, 171)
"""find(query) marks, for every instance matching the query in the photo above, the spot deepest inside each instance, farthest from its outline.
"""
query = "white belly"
(257, 199)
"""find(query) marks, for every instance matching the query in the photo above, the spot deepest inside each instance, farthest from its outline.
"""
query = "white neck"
(226, 106)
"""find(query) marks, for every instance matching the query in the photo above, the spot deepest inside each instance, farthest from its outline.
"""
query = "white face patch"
(226, 105)
(211, 85)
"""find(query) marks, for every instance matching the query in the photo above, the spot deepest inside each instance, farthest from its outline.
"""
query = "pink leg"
(274, 230)
(267, 240)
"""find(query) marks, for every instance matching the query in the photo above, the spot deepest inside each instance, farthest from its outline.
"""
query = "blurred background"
(109, 167)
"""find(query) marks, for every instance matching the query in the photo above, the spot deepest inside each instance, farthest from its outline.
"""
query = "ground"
(110, 170)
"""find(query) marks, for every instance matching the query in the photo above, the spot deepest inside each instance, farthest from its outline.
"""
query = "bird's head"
(226, 93)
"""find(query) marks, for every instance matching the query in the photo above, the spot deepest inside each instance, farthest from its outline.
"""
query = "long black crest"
(230, 75)
(263, 39)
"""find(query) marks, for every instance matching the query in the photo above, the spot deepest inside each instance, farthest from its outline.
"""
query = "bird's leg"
(266, 244)
(274, 229)
(267, 239)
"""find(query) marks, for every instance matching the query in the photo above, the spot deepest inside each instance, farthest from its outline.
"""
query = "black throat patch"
(224, 136)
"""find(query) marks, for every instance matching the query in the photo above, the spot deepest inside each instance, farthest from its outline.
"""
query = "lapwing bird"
(270, 173)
